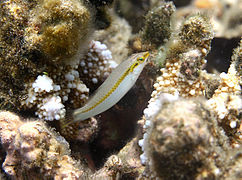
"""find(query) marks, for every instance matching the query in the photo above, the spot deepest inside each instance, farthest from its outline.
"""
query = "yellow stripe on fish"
(112, 90)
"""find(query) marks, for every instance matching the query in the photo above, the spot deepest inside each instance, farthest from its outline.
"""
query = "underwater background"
(180, 120)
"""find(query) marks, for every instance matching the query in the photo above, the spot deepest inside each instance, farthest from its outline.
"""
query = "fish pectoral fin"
(67, 120)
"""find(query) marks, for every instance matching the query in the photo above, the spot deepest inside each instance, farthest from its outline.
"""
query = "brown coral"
(183, 72)
(83, 131)
(186, 143)
(58, 29)
(38, 37)
(157, 28)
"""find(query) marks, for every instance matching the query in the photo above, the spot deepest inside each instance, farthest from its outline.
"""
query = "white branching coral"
(43, 83)
(73, 89)
(67, 83)
(229, 86)
(51, 108)
(43, 94)
(95, 65)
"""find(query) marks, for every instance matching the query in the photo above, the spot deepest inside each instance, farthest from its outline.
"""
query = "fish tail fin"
(67, 120)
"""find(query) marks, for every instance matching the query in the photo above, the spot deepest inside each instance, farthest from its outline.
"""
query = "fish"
(118, 83)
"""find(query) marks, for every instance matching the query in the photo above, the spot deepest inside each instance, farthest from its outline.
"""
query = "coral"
(125, 164)
(45, 96)
(58, 29)
(49, 93)
(111, 169)
(226, 102)
(150, 112)
(172, 80)
(193, 133)
(33, 149)
(95, 65)
(51, 108)
(114, 38)
(186, 143)
(54, 54)
(225, 15)
(50, 51)
(38, 37)
(183, 72)
(83, 131)
(157, 28)
(133, 11)
(197, 31)
(13, 16)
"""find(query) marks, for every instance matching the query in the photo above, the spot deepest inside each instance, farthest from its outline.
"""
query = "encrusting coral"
(184, 64)
(54, 54)
(186, 143)
(157, 28)
(226, 101)
(58, 29)
(50, 50)
(197, 130)
(32, 145)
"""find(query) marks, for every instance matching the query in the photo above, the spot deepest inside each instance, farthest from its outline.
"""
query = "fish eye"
(140, 59)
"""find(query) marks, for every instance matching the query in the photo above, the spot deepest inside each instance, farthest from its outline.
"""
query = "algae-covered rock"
(34, 34)
(157, 27)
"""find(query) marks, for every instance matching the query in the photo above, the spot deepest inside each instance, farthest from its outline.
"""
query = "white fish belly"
(111, 100)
